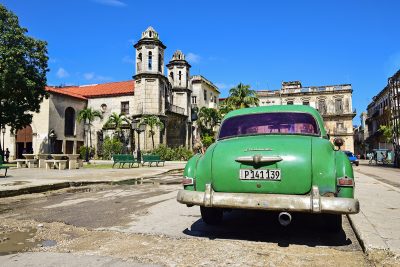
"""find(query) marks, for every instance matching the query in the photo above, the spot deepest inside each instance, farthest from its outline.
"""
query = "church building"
(153, 90)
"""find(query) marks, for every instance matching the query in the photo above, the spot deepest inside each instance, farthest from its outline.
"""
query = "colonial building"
(334, 102)
(167, 93)
(378, 114)
(394, 93)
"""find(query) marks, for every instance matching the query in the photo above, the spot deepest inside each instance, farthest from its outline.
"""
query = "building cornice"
(150, 75)
(182, 63)
(148, 41)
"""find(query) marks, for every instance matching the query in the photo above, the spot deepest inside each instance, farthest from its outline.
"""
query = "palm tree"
(116, 121)
(88, 115)
(242, 96)
(152, 121)
(208, 118)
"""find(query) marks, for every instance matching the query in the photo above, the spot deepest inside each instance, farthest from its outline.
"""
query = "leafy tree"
(116, 121)
(88, 115)
(111, 146)
(387, 132)
(242, 96)
(23, 67)
(152, 121)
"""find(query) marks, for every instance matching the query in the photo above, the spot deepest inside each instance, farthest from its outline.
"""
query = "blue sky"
(260, 43)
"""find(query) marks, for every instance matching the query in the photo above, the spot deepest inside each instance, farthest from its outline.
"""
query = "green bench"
(122, 159)
(152, 159)
(3, 167)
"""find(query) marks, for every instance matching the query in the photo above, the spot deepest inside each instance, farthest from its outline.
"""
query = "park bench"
(121, 159)
(152, 159)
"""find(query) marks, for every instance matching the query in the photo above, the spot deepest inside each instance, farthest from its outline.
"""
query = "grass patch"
(10, 164)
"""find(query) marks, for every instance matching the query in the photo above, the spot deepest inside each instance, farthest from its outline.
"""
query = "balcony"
(174, 109)
(339, 131)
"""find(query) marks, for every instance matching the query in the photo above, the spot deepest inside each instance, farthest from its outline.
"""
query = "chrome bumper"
(313, 203)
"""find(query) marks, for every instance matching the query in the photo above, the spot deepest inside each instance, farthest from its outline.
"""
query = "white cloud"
(193, 58)
(128, 59)
(224, 85)
(115, 3)
(62, 73)
(91, 76)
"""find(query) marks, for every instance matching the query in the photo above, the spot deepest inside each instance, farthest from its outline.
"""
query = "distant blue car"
(353, 159)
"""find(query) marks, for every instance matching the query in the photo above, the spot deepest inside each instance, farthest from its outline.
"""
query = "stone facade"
(334, 102)
(394, 94)
(35, 137)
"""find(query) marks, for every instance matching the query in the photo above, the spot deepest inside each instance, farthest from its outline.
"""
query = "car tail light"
(345, 181)
(187, 181)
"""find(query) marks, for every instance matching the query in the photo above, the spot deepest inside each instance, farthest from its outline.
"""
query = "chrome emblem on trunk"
(258, 149)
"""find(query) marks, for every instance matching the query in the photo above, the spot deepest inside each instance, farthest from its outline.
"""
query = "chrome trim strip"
(258, 159)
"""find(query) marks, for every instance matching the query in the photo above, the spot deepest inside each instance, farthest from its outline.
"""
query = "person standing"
(7, 154)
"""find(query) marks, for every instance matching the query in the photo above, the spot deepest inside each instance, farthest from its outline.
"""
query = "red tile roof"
(96, 90)
(59, 91)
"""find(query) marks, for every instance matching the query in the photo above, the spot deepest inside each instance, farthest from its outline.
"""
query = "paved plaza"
(377, 188)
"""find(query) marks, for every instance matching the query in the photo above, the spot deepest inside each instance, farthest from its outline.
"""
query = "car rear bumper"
(313, 203)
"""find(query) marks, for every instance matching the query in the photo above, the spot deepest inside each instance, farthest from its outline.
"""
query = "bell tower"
(178, 76)
(150, 53)
(152, 89)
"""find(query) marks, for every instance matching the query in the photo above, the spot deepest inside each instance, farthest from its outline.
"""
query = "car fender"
(344, 169)
(190, 170)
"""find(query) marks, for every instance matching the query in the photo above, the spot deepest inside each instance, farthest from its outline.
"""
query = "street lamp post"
(87, 142)
(3, 130)
(138, 128)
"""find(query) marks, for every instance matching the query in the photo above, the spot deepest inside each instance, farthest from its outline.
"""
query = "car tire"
(333, 222)
(211, 216)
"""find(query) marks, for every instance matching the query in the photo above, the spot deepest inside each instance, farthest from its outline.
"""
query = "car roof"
(280, 108)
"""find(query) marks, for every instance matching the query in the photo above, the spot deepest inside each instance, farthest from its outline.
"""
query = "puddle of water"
(12, 242)
(49, 243)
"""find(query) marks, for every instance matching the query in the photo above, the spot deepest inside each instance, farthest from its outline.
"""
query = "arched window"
(69, 122)
(171, 74)
(139, 62)
(180, 75)
(160, 63)
(150, 60)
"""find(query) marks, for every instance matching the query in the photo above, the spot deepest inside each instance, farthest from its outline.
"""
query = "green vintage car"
(275, 158)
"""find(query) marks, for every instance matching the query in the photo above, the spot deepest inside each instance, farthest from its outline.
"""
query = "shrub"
(207, 140)
(82, 152)
(111, 146)
(168, 153)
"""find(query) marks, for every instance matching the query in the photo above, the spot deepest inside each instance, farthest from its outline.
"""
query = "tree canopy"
(241, 96)
(23, 67)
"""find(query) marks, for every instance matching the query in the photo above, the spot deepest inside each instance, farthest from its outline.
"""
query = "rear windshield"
(269, 123)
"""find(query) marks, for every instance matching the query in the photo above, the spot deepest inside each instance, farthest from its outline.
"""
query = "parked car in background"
(274, 158)
(353, 159)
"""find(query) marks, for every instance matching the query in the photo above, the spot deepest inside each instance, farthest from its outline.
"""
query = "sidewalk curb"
(366, 246)
(62, 185)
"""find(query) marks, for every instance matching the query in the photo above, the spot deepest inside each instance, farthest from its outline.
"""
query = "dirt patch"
(164, 250)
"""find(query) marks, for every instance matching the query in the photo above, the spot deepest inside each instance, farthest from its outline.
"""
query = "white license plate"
(269, 174)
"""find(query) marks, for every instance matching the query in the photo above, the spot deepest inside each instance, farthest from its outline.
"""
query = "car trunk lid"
(289, 154)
